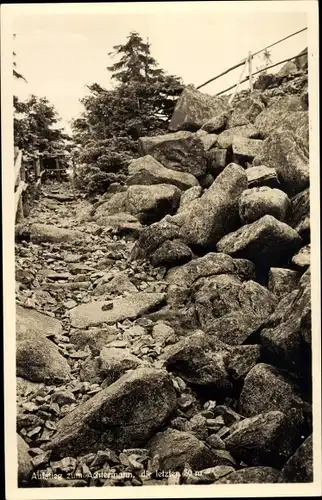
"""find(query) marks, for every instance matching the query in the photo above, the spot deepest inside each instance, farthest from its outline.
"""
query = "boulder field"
(164, 334)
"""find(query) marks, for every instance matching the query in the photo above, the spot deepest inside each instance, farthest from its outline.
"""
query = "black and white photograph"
(160, 205)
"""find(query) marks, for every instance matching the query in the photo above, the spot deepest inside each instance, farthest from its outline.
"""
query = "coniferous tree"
(136, 63)
(141, 103)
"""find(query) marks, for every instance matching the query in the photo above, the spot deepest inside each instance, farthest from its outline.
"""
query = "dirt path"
(55, 278)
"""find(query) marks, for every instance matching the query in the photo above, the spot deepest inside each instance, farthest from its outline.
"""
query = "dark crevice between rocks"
(299, 371)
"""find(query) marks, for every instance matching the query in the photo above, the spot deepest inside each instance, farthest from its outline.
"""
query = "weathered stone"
(216, 124)
(288, 154)
(215, 442)
(24, 462)
(113, 205)
(302, 62)
(52, 234)
(243, 358)
(305, 98)
(176, 448)
(182, 278)
(302, 260)
(26, 387)
(261, 440)
(205, 220)
(115, 362)
(223, 458)
(171, 253)
(230, 416)
(122, 224)
(163, 333)
(148, 171)
(230, 308)
(282, 281)
(194, 108)
(199, 360)
(300, 218)
(245, 111)
(306, 278)
(78, 268)
(197, 426)
(90, 371)
(254, 203)
(206, 181)
(124, 415)
(262, 176)
(226, 138)
(208, 140)
(299, 468)
(252, 475)
(266, 242)
(289, 68)
(276, 113)
(286, 336)
(181, 151)
(188, 196)
(210, 475)
(119, 284)
(215, 213)
(32, 321)
(153, 236)
(147, 203)
(38, 359)
(63, 397)
(181, 319)
(246, 149)
(95, 339)
(150, 203)
(217, 161)
(130, 307)
(266, 389)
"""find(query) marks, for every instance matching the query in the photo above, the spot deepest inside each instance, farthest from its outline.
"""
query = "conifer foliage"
(141, 103)
(36, 127)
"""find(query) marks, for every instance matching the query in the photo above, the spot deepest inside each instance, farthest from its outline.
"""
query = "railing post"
(20, 210)
(250, 71)
(37, 169)
(21, 177)
(238, 84)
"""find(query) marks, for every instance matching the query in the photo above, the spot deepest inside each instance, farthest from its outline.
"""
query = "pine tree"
(136, 63)
(141, 103)
(36, 128)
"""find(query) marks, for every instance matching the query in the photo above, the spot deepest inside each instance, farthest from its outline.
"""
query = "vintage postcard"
(160, 174)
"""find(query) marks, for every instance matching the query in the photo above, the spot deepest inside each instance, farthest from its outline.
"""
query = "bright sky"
(59, 53)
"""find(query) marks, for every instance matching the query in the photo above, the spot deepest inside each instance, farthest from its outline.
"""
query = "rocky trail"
(163, 332)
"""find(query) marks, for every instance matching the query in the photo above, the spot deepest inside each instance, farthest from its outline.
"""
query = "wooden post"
(19, 209)
(238, 84)
(250, 71)
(37, 169)
(21, 198)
